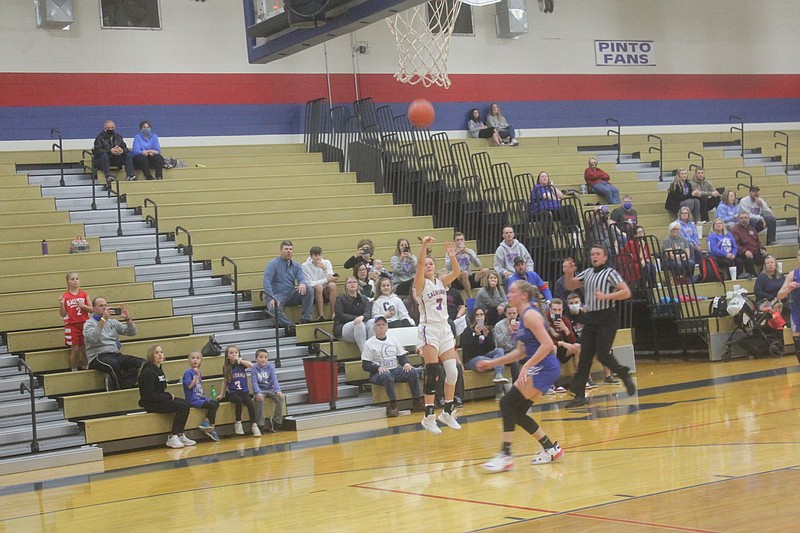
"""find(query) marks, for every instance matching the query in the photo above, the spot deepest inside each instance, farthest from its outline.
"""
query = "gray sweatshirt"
(105, 340)
(505, 255)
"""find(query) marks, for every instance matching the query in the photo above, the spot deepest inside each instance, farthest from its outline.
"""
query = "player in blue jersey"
(539, 372)
(235, 376)
(791, 288)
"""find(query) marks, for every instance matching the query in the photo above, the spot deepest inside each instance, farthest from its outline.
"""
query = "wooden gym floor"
(704, 447)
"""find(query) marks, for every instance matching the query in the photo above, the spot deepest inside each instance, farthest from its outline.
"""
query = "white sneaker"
(550, 391)
(256, 431)
(429, 423)
(174, 442)
(500, 378)
(499, 463)
(186, 440)
(513, 142)
(551, 455)
(237, 428)
(449, 419)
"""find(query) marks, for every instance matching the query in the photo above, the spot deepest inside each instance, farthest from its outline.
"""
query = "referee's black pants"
(596, 339)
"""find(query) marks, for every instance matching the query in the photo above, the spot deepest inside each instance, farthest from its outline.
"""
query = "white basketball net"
(422, 44)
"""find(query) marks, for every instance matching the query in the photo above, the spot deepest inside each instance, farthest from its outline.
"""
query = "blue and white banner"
(625, 53)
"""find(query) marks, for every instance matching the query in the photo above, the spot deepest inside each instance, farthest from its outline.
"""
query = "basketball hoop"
(423, 43)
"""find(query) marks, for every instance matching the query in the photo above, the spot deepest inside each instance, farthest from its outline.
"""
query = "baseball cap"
(519, 259)
(380, 318)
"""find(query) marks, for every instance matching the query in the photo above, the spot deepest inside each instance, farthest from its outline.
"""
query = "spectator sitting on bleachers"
(769, 281)
(492, 299)
(521, 272)
(365, 285)
(599, 182)
(110, 149)
(637, 252)
(751, 252)
(709, 196)
(146, 152)
(390, 306)
(546, 197)
(509, 249)
(682, 194)
(560, 290)
(625, 216)
(728, 209)
(386, 361)
(496, 120)
(154, 398)
(561, 331)
(599, 228)
(689, 232)
(677, 252)
(478, 130)
(505, 331)
(477, 344)
(404, 266)
(760, 213)
(722, 247)
(266, 386)
(195, 395)
(378, 271)
(285, 281)
(352, 321)
(236, 389)
(363, 254)
(101, 334)
(322, 280)
(465, 257)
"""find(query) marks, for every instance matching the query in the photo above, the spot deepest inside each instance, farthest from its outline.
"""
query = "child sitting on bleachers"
(195, 395)
(265, 385)
(235, 388)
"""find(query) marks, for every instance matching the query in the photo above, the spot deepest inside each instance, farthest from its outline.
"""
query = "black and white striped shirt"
(606, 280)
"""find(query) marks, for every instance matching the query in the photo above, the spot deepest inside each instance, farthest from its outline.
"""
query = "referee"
(602, 286)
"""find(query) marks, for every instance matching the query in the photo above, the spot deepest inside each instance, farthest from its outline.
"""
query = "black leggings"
(177, 406)
(597, 338)
(211, 406)
(514, 408)
(241, 397)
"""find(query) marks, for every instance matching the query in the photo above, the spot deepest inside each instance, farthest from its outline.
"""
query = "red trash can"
(318, 379)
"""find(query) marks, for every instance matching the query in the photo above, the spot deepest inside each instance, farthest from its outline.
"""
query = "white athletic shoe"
(499, 463)
(174, 442)
(429, 423)
(500, 378)
(551, 455)
(449, 419)
(256, 431)
(237, 428)
(186, 440)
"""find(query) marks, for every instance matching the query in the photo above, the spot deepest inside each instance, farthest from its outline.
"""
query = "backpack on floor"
(709, 271)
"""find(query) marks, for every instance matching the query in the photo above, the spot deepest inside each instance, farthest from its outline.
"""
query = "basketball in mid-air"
(421, 113)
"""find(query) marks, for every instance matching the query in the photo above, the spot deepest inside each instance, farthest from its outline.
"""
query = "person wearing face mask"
(110, 149)
(626, 216)
(147, 152)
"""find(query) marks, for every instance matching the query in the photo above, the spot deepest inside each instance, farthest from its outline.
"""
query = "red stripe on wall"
(54, 89)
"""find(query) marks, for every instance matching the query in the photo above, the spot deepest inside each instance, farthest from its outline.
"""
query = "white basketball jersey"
(433, 303)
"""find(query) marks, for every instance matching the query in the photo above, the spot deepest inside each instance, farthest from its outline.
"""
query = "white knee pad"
(450, 371)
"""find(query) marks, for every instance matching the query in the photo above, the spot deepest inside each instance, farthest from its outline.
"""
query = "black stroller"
(759, 339)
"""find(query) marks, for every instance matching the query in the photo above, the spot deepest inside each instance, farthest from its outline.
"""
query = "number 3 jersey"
(433, 303)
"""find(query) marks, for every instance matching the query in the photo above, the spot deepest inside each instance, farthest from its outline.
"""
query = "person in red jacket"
(599, 182)
(751, 251)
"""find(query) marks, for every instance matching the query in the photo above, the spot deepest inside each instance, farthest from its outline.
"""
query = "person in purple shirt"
(192, 381)
(146, 152)
(265, 385)
(285, 281)
(521, 272)
(235, 389)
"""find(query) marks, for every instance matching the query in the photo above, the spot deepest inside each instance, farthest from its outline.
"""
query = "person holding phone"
(477, 344)
(404, 266)
(101, 333)
(363, 254)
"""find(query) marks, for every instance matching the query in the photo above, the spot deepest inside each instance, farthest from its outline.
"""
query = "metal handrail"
(30, 386)
(274, 315)
(111, 180)
(786, 147)
(235, 289)
(617, 131)
(59, 145)
(660, 151)
(743, 173)
(332, 365)
(702, 159)
(93, 174)
(793, 207)
(155, 223)
(740, 129)
(188, 251)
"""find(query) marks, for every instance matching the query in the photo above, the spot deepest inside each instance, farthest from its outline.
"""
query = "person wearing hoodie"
(154, 398)
(722, 247)
(321, 279)
(709, 196)
(509, 249)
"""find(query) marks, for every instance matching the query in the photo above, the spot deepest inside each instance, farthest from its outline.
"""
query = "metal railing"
(30, 387)
(618, 132)
(187, 250)
(332, 365)
(660, 151)
(743, 173)
(60, 147)
(110, 180)
(785, 145)
(796, 206)
(235, 289)
(274, 315)
(702, 160)
(154, 219)
(740, 129)
(93, 173)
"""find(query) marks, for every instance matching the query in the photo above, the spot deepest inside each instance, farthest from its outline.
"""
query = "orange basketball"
(421, 113)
